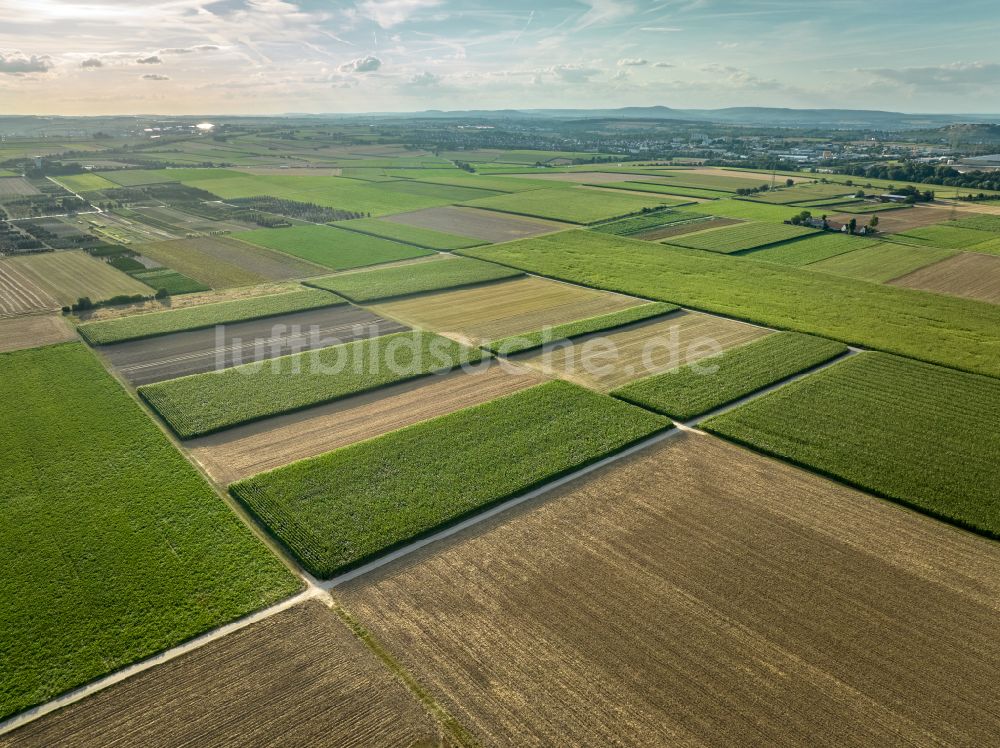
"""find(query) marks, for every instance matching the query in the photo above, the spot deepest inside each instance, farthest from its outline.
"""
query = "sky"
(281, 56)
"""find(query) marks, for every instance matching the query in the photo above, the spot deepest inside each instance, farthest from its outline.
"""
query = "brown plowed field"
(892, 221)
(698, 594)
(604, 361)
(298, 678)
(972, 275)
(33, 331)
(247, 450)
(486, 313)
(484, 225)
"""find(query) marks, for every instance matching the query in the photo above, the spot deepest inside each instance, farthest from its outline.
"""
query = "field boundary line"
(82, 692)
(330, 584)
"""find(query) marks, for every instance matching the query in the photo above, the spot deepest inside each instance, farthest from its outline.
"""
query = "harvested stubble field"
(697, 593)
(244, 451)
(187, 301)
(811, 249)
(342, 508)
(300, 677)
(742, 237)
(337, 249)
(219, 262)
(607, 361)
(576, 205)
(521, 305)
(113, 547)
(967, 274)
(63, 276)
(135, 327)
(16, 187)
(33, 331)
(204, 403)
(391, 282)
(184, 353)
(881, 261)
(687, 392)
(960, 333)
(483, 225)
(921, 434)
(415, 235)
(895, 221)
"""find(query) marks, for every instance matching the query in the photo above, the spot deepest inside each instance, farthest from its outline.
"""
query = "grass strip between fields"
(372, 285)
(921, 434)
(711, 383)
(340, 509)
(204, 403)
(112, 545)
(530, 340)
(153, 324)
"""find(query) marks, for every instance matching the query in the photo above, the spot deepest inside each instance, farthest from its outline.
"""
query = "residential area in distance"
(476, 421)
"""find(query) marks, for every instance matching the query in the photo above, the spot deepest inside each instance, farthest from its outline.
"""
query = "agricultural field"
(952, 237)
(644, 223)
(452, 193)
(243, 451)
(334, 248)
(741, 237)
(96, 585)
(520, 305)
(33, 331)
(104, 332)
(746, 210)
(981, 222)
(686, 392)
(482, 225)
(803, 193)
(204, 403)
(881, 261)
(532, 339)
(372, 285)
(710, 180)
(960, 333)
(168, 280)
(85, 182)
(577, 205)
(342, 508)
(63, 277)
(221, 262)
(16, 187)
(967, 274)
(213, 349)
(667, 190)
(811, 249)
(696, 592)
(605, 362)
(680, 228)
(400, 232)
(891, 426)
(894, 221)
(298, 677)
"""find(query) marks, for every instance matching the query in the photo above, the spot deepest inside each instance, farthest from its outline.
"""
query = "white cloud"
(155, 77)
(663, 65)
(425, 79)
(574, 73)
(151, 60)
(189, 50)
(632, 62)
(951, 78)
(16, 63)
(389, 13)
(367, 64)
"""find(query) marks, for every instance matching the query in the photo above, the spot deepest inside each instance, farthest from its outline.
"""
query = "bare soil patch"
(972, 275)
(33, 331)
(247, 450)
(484, 225)
(892, 221)
(16, 187)
(697, 593)
(300, 677)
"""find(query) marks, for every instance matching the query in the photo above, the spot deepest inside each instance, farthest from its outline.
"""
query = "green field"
(811, 249)
(663, 189)
(168, 280)
(861, 207)
(112, 546)
(342, 508)
(809, 192)
(645, 222)
(576, 205)
(138, 177)
(741, 237)
(371, 285)
(535, 339)
(955, 332)
(745, 209)
(951, 236)
(152, 324)
(710, 383)
(400, 232)
(920, 434)
(881, 261)
(447, 192)
(203, 403)
(331, 247)
(979, 222)
(85, 182)
(710, 181)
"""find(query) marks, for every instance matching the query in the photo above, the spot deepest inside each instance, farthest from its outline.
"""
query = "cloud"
(155, 77)
(92, 62)
(632, 62)
(151, 60)
(425, 79)
(574, 73)
(189, 50)
(16, 63)
(367, 64)
(954, 77)
(389, 13)
(601, 12)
